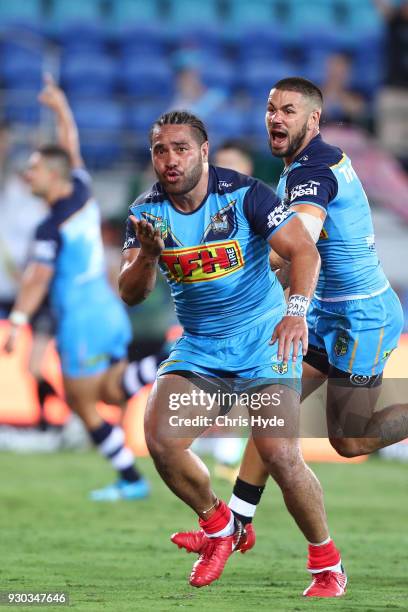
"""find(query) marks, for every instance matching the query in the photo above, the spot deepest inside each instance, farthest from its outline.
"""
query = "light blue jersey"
(92, 326)
(322, 175)
(216, 257)
(216, 261)
(355, 317)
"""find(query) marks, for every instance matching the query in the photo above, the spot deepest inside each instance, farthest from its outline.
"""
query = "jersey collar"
(304, 153)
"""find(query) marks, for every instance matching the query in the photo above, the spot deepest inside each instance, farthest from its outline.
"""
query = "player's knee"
(347, 447)
(282, 463)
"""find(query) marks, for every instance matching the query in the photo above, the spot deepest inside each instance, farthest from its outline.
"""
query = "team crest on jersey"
(280, 368)
(342, 344)
(202, 263)
(222, 222)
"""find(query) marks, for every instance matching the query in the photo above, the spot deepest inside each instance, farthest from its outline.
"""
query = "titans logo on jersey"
(216, 258)
(322, 175)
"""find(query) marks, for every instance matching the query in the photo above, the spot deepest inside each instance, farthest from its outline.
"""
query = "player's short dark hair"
(181, 117)
(303, 86)
(58, 158)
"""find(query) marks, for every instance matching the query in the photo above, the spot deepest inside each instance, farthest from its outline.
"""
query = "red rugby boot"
(195, 541)
(327, 584)
(211, 562)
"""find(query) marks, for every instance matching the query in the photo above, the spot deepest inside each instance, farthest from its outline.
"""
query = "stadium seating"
(130, 13)
(133, 48)
(243, 13)
(141, 78)
(74, 11)
(193, 11)
(20, 11)
(89, 74)
(99, 122)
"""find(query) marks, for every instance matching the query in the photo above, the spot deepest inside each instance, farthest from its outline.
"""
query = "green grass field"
(119, 557)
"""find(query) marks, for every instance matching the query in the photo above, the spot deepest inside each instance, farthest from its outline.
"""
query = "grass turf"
(118, 556)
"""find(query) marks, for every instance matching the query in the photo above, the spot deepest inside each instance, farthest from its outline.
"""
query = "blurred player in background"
(184, 224)
(93, 330)
(355, 318)
(20, 213)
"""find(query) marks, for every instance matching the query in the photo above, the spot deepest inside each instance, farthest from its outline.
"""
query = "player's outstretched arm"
(138, 272)
(33, 289)
(293, 243)
(53, 97)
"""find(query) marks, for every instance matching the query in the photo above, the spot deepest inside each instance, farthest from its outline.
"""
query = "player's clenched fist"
(151, 242)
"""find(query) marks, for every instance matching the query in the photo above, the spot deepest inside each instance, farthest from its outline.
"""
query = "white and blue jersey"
(355, 316)
(92, 326)
(216, 262)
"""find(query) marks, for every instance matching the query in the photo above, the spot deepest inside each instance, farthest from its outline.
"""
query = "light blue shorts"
(246, 357)
(357, 335)
(89, 341)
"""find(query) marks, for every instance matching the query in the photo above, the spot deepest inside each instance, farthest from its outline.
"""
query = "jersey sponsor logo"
(202, 263)
(280, 368)
(279, 214)
(305, 189)
(45, 249)
(342, 344)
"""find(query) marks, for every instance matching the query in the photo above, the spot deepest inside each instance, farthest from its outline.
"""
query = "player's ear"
(314, 119)
(205, 150)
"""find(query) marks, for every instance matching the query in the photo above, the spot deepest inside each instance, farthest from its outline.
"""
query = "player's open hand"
(290, 333)
(52, 95)
(151, 242)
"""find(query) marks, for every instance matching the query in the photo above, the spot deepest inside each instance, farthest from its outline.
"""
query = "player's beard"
(188, 181)
(294, 143)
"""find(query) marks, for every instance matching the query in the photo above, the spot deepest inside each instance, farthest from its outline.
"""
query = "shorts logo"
(306, 189)
(202, 263)
(359, 379)
(281, 368)
(342, 344)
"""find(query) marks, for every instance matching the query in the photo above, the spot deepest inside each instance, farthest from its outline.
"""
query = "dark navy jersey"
(70, 241)
(216, 257)
(322, 175)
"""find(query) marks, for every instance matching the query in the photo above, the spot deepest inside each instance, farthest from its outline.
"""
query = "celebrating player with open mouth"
(210, 231)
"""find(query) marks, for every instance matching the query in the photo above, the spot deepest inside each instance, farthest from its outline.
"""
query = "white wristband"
(297, 306)
(18, 318)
